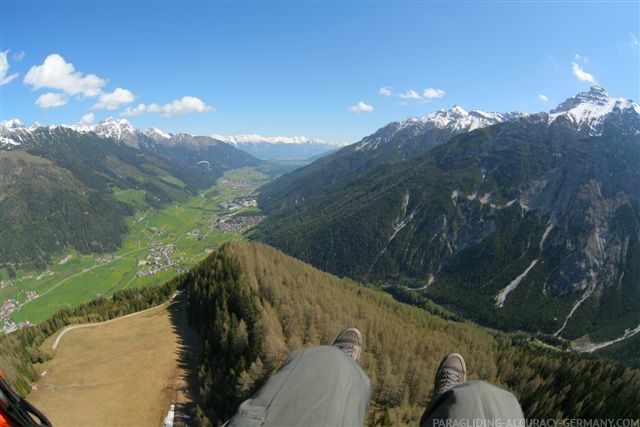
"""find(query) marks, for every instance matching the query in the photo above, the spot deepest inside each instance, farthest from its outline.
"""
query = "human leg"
(318, 386)
(455, 399)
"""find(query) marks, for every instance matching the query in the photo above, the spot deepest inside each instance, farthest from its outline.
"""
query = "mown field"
(103, 375)
(74, 278)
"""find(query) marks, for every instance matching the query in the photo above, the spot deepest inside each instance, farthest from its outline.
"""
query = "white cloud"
(581, 74)
(385, 90)
(633, 40)
(185, 105)
(543, 98)
(431, 93)
(410, 94)
(135, 111)
(18, 56)
(113, 100)
(88, 118)
(179, 107)
(361, 107)
(51, 100)
(4, 69)
(56, 73)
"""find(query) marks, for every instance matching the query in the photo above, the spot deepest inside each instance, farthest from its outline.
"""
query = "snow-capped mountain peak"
(119, 129)
(12, 124)
(588, 110)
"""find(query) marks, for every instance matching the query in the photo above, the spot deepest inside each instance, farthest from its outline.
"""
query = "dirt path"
(122, 372)
(89, 325)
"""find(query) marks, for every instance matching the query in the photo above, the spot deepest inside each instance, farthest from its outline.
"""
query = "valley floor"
(160, 244)
(123, 372)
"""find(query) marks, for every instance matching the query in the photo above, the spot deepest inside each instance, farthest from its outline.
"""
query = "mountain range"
(59, 183)
(281, 147)
(520, 221)
(14, 131)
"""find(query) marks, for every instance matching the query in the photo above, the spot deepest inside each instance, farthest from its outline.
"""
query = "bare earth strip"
(117, 373)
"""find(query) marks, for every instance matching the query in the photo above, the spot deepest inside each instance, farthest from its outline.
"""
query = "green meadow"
(74, 278)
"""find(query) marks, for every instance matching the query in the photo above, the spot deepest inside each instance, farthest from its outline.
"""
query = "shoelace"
(448, 379)
(350, 349)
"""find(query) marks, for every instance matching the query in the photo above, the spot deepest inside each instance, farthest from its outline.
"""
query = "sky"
(325, 69)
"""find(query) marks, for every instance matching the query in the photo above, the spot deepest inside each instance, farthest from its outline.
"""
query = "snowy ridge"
(589, 110)
(156, 134)
(456, 120)
(238, 140)
(459, 120)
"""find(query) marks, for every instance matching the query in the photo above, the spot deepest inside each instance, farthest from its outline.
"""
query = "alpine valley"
(59, 182)
(519, 221)
(528, 223)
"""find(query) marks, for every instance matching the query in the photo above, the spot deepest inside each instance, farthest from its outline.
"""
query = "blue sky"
(306, 68)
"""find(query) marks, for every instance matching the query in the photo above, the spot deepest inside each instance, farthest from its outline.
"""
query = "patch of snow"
(168, 420)
(502, 295)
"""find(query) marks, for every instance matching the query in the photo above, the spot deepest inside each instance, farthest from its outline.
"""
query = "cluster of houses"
(8, 307)
(235, 223)
(158, 258)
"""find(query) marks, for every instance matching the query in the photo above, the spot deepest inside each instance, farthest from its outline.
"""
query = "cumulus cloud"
(185, 105)
(385, 90)
(179, 107)
(51, 100)
(410, 94)
(135, 111)
(581, 74)
(88, 118)
(361, 107)
(4, 69)
(543, 98)
(115, 99)
(431, 93)
(56, 73)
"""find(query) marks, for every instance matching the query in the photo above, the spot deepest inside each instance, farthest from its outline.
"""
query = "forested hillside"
(253, 305)
(545, 203)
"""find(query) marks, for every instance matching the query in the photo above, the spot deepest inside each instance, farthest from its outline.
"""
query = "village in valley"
(160, 245)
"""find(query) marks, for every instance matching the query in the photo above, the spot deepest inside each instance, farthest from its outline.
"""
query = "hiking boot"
(350, 342)
(451, 372)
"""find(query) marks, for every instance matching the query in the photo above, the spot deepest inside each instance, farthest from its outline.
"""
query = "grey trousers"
(473, 403)
(318, 386)
(322, 386)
